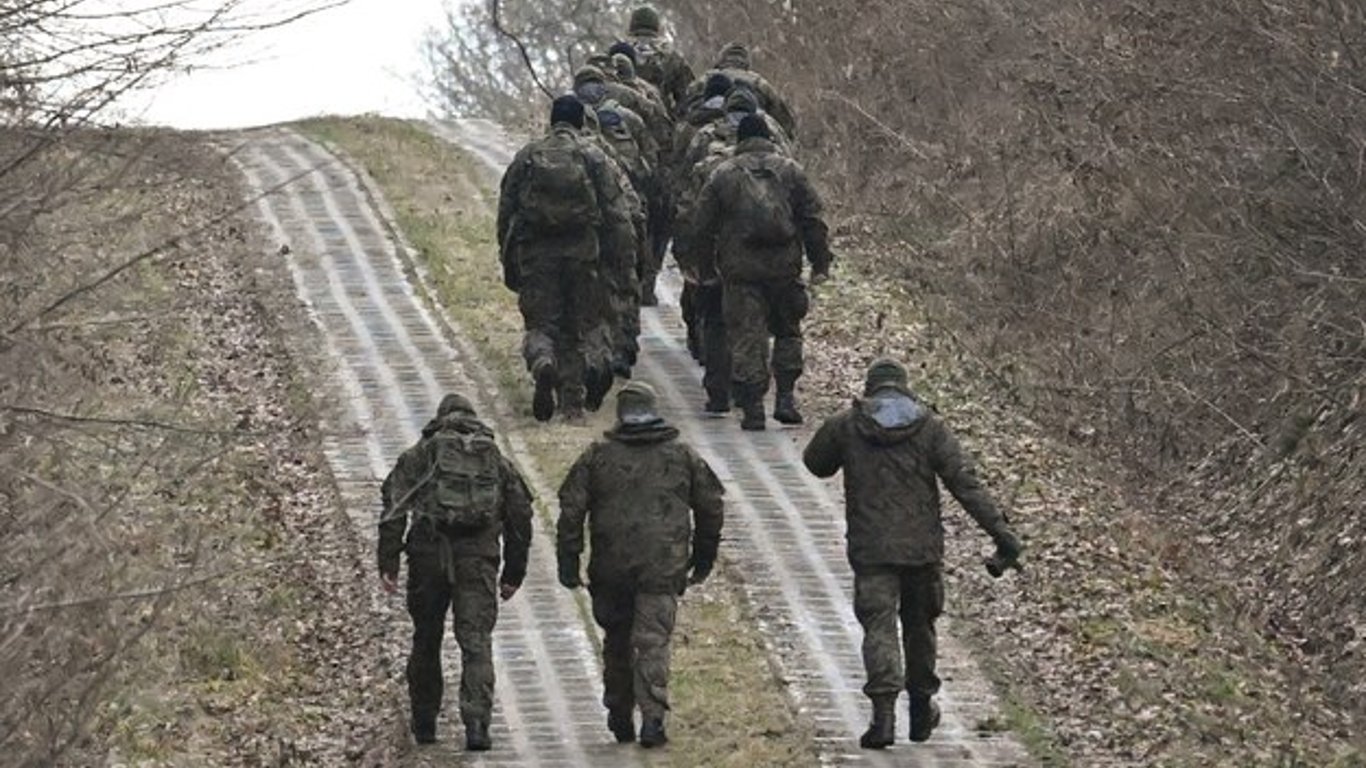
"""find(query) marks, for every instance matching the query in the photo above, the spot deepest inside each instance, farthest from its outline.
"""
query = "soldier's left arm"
(516, 525)
(956, 468)
(808, 212)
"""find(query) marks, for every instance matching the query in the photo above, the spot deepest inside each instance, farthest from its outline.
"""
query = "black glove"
(569, 572)
(1008, 551)
(702, 560)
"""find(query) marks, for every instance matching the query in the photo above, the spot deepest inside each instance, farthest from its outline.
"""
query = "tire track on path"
(393, 361)
(785, 534)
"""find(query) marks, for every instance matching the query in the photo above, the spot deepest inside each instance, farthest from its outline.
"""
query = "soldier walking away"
(463, 496)
(561, 216)
(656, 59)
(755, 217)
(634, 490)
(892, 448)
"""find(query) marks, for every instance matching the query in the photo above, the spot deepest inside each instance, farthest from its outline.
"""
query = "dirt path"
(785, 537)
(394, 359)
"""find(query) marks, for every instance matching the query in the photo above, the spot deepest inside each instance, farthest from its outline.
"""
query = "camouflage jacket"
(716, 222)
(422, 539)
(514, 236)
(893, 452)
(662, 66)
(634, 491)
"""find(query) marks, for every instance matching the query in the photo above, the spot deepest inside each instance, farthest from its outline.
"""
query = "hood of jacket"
(889, 416)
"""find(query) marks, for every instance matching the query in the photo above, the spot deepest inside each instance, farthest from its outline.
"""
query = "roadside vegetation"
(177, 583)
(1121, 243)
(729, 709)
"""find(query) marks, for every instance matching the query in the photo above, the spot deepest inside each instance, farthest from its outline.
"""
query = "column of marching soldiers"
(641, 158)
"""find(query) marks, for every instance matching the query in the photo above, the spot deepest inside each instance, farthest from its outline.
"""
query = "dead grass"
(202, 491)
(729, 710)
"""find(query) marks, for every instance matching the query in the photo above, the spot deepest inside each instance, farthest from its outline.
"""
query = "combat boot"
(598, 383)
(785, 402)
(652, 733)
(924, 717)
(543, 402)
(751, 402)
(477, 736)
(424, 728)
(881, 731)
(622, 724)
(717, 402)
(648, 297)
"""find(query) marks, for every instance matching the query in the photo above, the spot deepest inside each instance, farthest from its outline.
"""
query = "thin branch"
(142, 594)
(495, 6)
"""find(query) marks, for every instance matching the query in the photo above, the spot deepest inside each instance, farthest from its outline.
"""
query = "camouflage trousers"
(637, 629)
(470, 591)
(562, 301)
(707, 307)
(915, 596)
(756, 311)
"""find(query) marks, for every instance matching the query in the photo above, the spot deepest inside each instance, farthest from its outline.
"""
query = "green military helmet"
(624, 67)
(741, 99)
(454, 403)
(734, 56)
(589, 73)
(644, 21)
(884, 373)
(637, 404)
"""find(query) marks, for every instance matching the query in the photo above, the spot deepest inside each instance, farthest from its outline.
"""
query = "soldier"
(634, 490)
(755, 217)
(607, 127)
(464, 496)
(656, 59)
(562, 216)
(735, 62)
(892, 448)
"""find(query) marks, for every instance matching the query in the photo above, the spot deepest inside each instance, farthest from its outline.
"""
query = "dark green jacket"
(893, 452)
(423, 540)
(717, 221)
(635, 491)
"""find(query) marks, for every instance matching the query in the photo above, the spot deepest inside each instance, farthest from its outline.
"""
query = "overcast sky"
(361, 57)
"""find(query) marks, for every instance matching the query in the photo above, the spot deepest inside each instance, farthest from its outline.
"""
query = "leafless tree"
(81, 211)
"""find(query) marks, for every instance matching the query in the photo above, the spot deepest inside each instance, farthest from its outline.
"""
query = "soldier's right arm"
(824, 455)
(808, 211)
(575, 497)
(955, 467)
(709, 510)
(393, 522)
(516, 525)
(612, 201)
(678, 76)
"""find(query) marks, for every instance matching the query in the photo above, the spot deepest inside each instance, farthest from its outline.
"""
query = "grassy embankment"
(729, 709)
(186, 576)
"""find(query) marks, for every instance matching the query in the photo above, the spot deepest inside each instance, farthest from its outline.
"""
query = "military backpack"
(557, 194)
(763, 207)
(464, 489)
